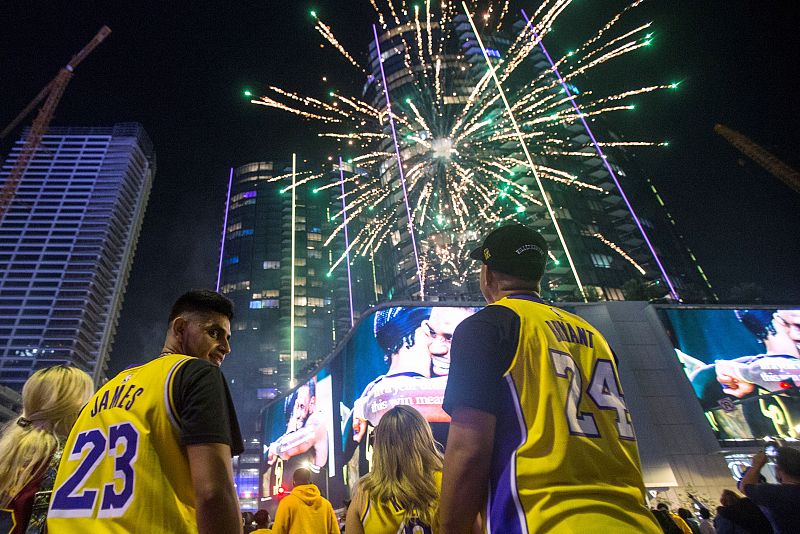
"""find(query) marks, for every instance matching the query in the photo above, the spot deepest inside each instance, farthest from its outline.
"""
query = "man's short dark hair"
(301, 476)
(202, 301)
(705, 513)
(788, 460)
(288, 404)
(662, 506)
(759, 322)
(261, 518)
(394, 328)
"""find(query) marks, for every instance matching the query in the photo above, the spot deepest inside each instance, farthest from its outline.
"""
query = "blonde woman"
(51, 401)
(401, 494)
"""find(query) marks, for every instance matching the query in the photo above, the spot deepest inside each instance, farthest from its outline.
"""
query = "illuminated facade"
(256, 274)
(66, 247)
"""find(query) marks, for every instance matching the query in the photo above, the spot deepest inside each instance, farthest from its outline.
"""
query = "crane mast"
(51, 94)
(760, 155)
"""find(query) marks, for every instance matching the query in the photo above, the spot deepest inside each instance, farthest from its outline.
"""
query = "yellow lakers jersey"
(388, 518)
(565, 457)
(123, 469)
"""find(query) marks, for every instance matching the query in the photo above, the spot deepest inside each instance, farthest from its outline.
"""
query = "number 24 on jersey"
(603, 390)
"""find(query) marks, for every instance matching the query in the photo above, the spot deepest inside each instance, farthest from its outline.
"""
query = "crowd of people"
(540, 438)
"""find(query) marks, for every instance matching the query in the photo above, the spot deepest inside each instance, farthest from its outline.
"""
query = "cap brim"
(477, 254)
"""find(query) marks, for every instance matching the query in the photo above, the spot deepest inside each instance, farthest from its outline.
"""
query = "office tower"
(67, 244)
(256, 271)
(611, 233)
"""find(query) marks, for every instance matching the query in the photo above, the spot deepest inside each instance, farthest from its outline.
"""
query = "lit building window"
(298, 355)
(265, 303)
(601, 260)
(238, 286)
(614, 293)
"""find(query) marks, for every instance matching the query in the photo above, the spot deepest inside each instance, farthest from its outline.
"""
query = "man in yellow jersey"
(540, 438)
(151, 452)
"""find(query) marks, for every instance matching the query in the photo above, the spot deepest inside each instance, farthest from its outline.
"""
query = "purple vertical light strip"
(224, 229)
(603, 158)
(346, 243)
(399, 160)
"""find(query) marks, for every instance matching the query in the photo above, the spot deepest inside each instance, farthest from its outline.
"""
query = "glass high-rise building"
(256, 271)
(67, 244)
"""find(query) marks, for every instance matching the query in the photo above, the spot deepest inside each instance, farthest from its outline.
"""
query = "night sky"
(180, 71)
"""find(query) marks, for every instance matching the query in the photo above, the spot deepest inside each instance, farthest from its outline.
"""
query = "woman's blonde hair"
(404, 459)
(51, 401)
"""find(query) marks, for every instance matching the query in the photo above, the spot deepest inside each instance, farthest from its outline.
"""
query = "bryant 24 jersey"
(565, 457)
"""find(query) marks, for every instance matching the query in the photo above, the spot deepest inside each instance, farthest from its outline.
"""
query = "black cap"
(513, 249)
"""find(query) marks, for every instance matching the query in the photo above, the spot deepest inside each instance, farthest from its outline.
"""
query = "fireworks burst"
(484, 133)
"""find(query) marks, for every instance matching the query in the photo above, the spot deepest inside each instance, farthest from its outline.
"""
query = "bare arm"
(313, 434)
(751, 477)
(466, 469)
(212, 480)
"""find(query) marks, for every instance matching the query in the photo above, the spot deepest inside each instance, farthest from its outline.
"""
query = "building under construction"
(67, 242)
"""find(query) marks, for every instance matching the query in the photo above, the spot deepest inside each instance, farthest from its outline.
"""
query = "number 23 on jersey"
(77, 497)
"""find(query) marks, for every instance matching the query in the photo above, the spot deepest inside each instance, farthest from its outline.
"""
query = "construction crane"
(51, 95)
(767, 160)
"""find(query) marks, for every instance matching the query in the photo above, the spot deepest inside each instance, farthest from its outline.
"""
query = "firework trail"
(470, 161)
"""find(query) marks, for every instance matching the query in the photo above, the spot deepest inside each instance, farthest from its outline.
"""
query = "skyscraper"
(66, 247)
(256, 271)
(257, 266)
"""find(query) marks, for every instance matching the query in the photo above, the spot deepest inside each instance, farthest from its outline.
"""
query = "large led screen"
(300, 434)
(396, 355)
(744, 366)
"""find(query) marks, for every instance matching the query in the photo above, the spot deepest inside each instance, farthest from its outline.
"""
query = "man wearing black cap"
(540, 438)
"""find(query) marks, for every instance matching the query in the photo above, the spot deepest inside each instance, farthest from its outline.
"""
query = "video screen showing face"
(744, 366)
(397, 356)
(298, 433)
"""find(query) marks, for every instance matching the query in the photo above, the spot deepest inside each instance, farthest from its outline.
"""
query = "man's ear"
(426, 329)
(178, 327)
(489, 276)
